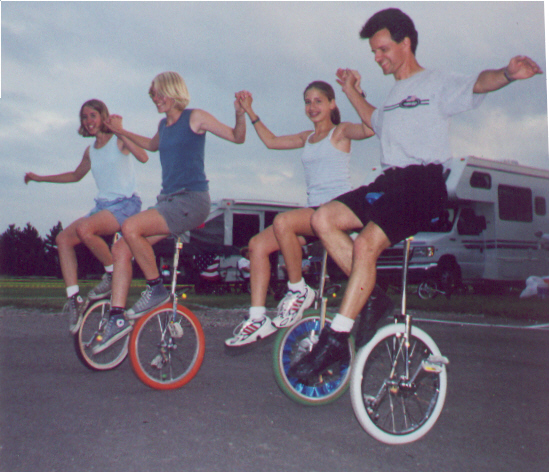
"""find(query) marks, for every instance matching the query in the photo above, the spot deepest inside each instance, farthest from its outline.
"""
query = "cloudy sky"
(56, 55)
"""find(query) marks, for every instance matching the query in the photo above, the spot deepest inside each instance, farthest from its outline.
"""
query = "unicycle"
(167, 344)
(399, 379)
(93, 322)
(292, 343)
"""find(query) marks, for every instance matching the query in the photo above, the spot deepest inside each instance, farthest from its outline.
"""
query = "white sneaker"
(292, 306)
(250, 331)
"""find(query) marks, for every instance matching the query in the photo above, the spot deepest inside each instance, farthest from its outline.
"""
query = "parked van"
(489, 234)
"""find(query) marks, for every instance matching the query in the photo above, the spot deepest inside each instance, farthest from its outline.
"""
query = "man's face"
(388, 54)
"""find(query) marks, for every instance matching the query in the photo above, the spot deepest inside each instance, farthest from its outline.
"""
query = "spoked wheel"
(428, 289)
(390, 408)
(292, 344)
(167, 351)
(94, 319)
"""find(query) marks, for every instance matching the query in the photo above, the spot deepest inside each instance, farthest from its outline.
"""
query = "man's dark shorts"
(410, 198)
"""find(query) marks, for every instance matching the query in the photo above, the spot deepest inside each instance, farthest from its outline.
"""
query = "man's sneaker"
(250, 331)
(151, 297)
(378, 306)
(291, 307)
(332, 347)
(102, 289)
(75, 308)
(117, 327)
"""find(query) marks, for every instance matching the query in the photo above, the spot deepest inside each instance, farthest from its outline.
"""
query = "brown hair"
(327, 90)
(100, 108)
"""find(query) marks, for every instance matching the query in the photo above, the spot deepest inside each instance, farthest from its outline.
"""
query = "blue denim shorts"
(122, 208)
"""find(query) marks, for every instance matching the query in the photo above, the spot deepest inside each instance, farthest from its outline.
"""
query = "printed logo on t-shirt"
(410, 102)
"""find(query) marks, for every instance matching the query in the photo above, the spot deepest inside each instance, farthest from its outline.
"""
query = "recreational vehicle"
(489, 234)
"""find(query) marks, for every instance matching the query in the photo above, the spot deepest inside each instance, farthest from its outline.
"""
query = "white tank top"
(113, 171)
(326, 171)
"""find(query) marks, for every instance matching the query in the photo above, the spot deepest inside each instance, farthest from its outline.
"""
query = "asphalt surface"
(56, 415)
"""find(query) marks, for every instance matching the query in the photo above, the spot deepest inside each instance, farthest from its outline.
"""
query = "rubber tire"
(428, 289)
(137, 343)
(327, 391)
(109, 359)
(357, 401)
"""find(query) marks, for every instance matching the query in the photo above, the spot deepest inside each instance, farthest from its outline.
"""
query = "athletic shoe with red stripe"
(292, 306)
(250, 331)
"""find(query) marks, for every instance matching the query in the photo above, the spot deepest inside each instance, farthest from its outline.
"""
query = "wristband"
(506, 74)
(363, 94)
(255, 121)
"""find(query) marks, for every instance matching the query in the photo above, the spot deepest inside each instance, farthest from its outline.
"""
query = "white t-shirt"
(413, 124)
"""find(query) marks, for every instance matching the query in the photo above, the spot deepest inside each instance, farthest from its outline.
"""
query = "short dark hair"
(398, 23)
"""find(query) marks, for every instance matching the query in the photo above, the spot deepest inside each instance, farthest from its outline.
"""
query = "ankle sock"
(116, 311)
(72, 291)
(342, 324)
(109, 269)
(257, 312)
(298, 287)
(154, 282)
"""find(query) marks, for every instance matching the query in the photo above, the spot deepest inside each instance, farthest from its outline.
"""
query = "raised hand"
(30, 176)
(245, 99)
(114, 123)
(349, 79)
(522, 67)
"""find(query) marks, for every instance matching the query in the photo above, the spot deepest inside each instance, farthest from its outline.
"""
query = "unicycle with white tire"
(93, 321)
(399, 380)
(292, 343)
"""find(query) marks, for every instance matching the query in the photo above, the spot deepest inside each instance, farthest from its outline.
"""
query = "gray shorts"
(183, 210)
(122, 208)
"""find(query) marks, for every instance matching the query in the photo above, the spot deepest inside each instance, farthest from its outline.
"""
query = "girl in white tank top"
(112, 167)
(326, 159)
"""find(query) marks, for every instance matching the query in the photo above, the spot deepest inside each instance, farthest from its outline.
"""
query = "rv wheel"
(427, 289)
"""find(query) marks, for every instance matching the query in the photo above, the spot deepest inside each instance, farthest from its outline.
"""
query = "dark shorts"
(401, 201)
(183, 211)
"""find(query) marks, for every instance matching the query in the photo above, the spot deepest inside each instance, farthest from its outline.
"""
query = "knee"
(62, 239)
(120, 251)
(83, 231)
(366, 249)
(281, 223)
(320, 221)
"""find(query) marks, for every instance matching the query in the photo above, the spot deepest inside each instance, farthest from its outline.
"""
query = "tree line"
(24, 253)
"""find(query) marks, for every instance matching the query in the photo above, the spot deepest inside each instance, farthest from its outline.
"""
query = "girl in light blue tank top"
(325, 158)
(111, 164)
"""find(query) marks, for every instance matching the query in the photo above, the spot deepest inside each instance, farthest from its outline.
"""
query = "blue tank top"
(181, 156)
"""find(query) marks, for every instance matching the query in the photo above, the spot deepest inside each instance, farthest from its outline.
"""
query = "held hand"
(245, 99)
(114, 123)
(349, 79)
(237, 106)
(522, 67)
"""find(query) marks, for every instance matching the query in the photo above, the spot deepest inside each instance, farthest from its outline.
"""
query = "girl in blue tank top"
(325, 158)
(112, 168)
(183, 203)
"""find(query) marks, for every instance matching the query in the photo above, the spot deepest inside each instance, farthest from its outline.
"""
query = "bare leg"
(331, 223)
(66, 241)
(368, 246)
(289, 227)
(140, 233)
(90, 230)
(260, 247)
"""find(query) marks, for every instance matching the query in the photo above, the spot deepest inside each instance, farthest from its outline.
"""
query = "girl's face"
(163, 104)
(91, 120)
(317, 105)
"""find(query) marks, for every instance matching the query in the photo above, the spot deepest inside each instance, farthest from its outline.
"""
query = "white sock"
(72, 290)
(342, 324)
(298, 287)
(109, 269)
(257, 312)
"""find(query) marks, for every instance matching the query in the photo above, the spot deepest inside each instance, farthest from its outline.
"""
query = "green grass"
(50, 294)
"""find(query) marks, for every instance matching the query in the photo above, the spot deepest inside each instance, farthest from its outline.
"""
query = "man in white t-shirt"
(413, 128)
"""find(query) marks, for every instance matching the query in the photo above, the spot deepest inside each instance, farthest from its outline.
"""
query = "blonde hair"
(100, 108)
(172, 85)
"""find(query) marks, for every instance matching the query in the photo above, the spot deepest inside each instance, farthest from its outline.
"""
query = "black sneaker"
(332, 347)
(378, 306)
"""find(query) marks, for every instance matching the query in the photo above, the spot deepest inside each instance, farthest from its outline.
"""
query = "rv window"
(444, 223)
(244, 227)
(539, 206)
(515, 203)
(481, 180)
(470, 224)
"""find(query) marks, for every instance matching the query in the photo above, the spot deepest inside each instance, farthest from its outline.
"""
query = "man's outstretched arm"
(519, 68)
